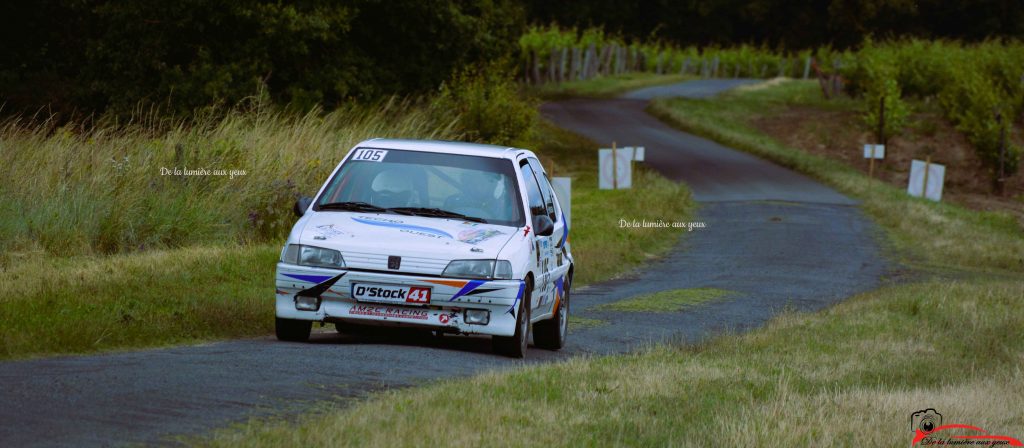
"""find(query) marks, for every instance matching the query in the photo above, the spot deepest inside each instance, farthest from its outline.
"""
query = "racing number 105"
(370, 155)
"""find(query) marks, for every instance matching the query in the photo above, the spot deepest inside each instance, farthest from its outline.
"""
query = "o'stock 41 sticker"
(369, 155)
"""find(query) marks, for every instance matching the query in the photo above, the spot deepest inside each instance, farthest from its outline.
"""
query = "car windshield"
(481, 189)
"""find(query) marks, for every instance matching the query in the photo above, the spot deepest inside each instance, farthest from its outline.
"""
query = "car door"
(557, 256)
(542, 245)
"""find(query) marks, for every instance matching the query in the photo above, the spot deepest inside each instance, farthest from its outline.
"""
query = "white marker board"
(623, 175)
(874, 151)
(563, 192)
(638, 152)
(936, 175)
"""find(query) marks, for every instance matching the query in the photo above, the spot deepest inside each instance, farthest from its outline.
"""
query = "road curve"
(775, 238)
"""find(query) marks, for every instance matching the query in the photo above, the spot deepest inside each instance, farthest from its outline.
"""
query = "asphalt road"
(774, 237)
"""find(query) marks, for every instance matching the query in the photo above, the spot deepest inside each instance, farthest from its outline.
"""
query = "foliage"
(975, 84)
(489, 106)
(103, 55)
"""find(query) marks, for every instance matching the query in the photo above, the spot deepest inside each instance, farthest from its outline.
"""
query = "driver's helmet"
(391, 188)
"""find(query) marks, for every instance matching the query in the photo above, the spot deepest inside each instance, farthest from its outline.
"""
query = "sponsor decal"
(927, 425)
(391, 294)
(559, 291)
(443, 318)
(389, 312)
(451, 283)
(309, 278)
(526, 231)
(418, 294)
(470, 286)
(519, 296)
(402, 226)
(369, 155)
(326, 231)
(473, 236)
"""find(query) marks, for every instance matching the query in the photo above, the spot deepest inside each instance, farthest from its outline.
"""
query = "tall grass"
(75, 190)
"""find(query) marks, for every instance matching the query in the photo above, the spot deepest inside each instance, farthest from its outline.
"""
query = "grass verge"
(934, 234)
(666, 301)
(867, 363)
(604, 86)
(161, 297)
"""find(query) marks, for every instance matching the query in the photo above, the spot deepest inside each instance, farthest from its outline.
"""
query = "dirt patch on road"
(840, 135)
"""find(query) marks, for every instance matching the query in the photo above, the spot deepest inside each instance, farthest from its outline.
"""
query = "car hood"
(426, 245)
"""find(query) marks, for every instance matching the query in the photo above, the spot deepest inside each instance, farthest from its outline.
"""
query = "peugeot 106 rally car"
(452, 237)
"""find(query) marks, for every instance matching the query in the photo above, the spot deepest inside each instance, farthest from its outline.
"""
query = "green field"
(849, 375)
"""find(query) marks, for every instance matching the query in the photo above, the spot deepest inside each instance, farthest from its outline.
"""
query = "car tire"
(515, 346)
(550, 334)
(292, 330)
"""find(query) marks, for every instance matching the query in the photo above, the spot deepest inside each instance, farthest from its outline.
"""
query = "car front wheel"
(515, 346)
(551, 334)
(292, 330)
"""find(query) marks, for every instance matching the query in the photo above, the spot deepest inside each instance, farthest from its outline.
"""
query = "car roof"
(446, 146)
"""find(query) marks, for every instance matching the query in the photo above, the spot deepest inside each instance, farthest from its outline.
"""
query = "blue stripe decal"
(512, 309)
(309, 278)
(397, 225)
(473, 284)
(559, 286)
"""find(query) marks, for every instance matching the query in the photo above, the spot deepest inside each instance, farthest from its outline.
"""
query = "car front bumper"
(450, 298)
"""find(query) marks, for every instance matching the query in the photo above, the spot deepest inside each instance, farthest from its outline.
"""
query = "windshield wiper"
(352, 206)
(437, 213)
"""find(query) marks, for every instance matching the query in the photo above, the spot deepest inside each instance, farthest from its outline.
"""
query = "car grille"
(379, 262)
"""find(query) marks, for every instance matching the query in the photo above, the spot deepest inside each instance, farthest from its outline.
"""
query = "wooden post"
(561, 72)
(881, 119)
(615, 168)
(927, 168)
(807, 67)
(871, 163)
(1001, 180)
(537, 68)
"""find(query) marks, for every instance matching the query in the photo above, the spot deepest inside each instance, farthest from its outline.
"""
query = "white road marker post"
(872, 152)
(926, 179)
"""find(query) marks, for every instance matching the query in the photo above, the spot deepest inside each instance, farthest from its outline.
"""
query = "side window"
(533, 194)
(545, 189)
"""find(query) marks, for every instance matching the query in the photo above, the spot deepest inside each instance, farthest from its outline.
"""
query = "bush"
(896, 110)
(489, 106)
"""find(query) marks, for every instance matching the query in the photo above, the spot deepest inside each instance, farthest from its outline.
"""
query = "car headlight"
(312, 256)
(479, 269)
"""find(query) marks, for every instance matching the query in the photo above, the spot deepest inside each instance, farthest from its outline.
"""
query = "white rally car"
(454, 237)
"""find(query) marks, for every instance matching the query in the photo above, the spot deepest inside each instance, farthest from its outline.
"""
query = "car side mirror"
(543, 226)
(302, 205)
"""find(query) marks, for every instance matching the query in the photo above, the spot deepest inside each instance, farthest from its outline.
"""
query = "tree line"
(93, 56)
